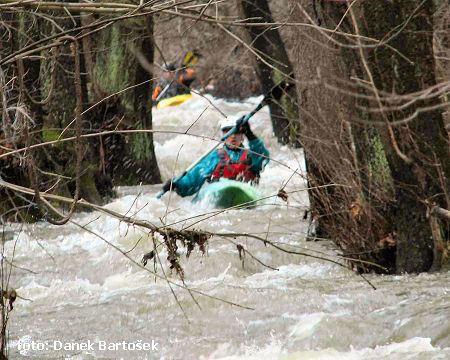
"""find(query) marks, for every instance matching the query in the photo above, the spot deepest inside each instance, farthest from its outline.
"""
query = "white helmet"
(229, 122)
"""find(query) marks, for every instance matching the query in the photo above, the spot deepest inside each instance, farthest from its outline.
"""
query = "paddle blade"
(191, 58)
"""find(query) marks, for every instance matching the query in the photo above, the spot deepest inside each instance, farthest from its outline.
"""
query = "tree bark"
(142, 144)
(268, 43)
(116, 68)
(61, 113)
(418, 155)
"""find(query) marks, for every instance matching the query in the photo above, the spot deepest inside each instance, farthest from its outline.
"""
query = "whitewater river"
(83, 299)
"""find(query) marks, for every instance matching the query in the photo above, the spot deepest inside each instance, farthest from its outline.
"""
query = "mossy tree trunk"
(268, 43)
(420, 166)
(395, 177)
(117, 68)
(52, 77)
(374, 187)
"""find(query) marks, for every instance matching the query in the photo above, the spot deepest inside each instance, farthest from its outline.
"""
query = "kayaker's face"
(234, 140)
(168, 75)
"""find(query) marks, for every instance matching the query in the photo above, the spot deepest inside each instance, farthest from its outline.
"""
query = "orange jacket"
(186, 77)
(156, 92)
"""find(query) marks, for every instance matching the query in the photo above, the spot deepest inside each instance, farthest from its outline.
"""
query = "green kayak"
(228, 193)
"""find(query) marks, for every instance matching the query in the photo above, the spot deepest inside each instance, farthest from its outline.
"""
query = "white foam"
(286, 273)
(307, 325)
(275, 351)
(59, 292)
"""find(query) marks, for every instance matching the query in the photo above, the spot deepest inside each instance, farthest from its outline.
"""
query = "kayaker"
(230, 161)
(173, 82)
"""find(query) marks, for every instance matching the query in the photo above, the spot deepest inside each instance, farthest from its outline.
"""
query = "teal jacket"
(191, 183)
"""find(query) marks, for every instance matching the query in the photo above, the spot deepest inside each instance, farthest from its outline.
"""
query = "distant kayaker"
(230, 161)
(173, 82)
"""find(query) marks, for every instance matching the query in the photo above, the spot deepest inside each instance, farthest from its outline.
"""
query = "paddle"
(275, 94)
(163, 92)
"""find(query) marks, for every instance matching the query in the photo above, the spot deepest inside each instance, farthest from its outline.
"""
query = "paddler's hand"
(245, 129)
(169, 184)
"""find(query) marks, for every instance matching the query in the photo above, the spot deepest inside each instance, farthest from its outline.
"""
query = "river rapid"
(81, 298)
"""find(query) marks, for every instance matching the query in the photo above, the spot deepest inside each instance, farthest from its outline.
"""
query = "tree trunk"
(387, 182)
(142, 144)
(61, 113)
(267, 42)
(340, 153)
(116, 69)
(418, 156)
(374, 187)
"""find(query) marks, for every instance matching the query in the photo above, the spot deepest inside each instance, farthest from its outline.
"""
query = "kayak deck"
(228, 193)
(173, 101)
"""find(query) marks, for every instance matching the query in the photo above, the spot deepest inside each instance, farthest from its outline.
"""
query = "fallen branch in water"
(242, 251)
(170, 235)
(156, 274)
(265, 241)
(83, 203)
(188, 237)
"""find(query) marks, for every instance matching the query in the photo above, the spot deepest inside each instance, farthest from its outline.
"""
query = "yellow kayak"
(173, 101)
